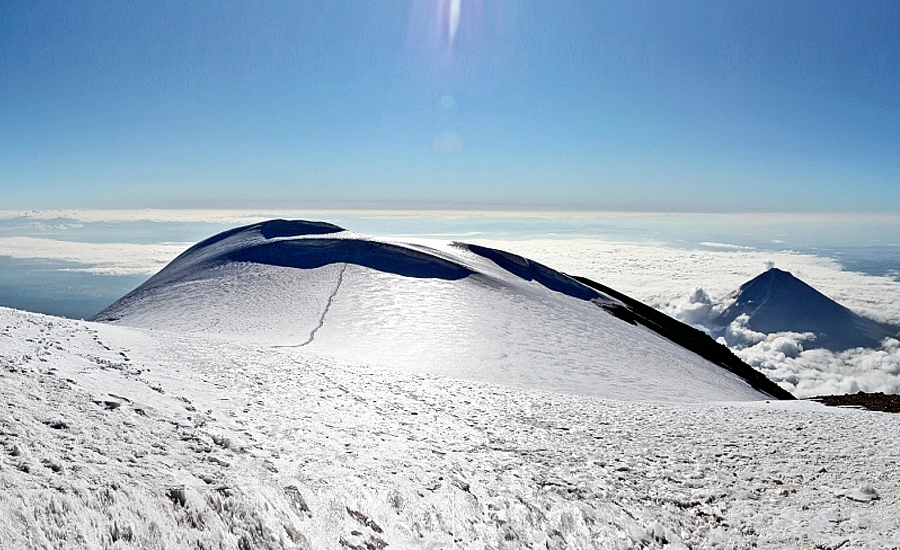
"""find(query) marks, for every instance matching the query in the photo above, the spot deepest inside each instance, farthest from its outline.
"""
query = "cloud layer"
(807, 373)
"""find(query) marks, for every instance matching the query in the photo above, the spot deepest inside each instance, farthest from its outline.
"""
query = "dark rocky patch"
(872, 401)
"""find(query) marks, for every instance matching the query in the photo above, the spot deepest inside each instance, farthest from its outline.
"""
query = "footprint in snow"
(863, 493)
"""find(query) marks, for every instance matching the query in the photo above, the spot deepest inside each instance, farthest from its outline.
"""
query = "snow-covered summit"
(447, 308)
(777, 301)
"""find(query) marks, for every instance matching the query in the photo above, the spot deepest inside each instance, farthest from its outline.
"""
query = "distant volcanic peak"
(635, 312)
(775, 277)
(776, 284)
(776, 301)
(534, 271)
(775, 272)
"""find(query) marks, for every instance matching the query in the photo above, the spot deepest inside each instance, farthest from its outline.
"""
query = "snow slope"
(115, 437)
(776, 301)
(441, 308)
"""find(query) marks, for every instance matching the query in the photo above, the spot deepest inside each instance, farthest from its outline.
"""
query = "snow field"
(113, 437)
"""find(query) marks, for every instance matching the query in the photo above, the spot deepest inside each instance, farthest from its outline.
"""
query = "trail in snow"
(337, 287)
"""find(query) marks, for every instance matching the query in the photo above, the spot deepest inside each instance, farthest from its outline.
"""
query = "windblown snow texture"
(776, 301)
(197, 432)
(444, 308)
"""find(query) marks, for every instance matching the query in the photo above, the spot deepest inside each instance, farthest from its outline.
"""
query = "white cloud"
(699, 309)
(739, 334)
(726, 246)
(822, 372)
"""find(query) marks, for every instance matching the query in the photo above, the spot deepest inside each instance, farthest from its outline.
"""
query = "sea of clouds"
(690, 281)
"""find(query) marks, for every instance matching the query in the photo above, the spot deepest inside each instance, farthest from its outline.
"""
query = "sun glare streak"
(448, 17)
(451, 42)
(453, 20)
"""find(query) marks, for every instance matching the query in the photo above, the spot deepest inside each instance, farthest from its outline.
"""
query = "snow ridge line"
(337, 287)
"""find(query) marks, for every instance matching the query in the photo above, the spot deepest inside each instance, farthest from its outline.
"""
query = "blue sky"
(666, 106)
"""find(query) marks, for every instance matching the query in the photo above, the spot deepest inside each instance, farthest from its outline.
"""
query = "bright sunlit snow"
(115, 437)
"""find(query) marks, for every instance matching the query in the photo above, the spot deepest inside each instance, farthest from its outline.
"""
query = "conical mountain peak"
(778, 301)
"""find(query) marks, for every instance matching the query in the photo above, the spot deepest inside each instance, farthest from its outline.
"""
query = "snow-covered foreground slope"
(441, 308)
(114, 437)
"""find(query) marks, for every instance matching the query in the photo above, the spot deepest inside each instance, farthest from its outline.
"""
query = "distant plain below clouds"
(78, 217)
(96, 258)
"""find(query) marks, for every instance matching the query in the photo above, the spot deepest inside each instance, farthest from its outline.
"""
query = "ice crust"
(116, 437)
